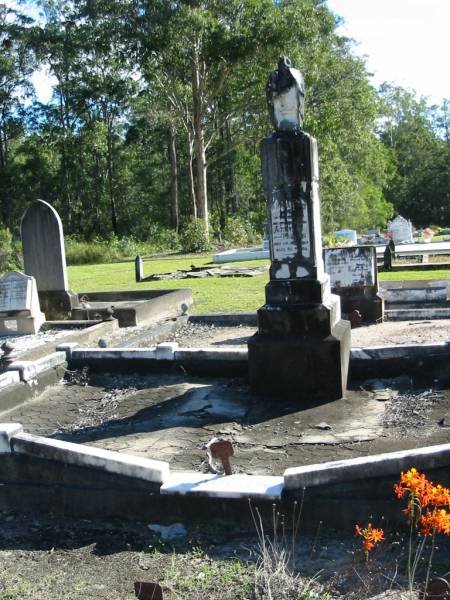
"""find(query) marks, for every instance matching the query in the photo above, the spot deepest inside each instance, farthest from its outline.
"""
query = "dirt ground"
(50, 558)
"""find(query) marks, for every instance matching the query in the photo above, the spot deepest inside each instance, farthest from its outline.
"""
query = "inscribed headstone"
(43, 247)
(19, 304)
(355, 266)
(401, 230)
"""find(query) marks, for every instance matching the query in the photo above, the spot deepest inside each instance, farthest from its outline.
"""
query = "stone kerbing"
(7, 430)
(154, 471)
(30, 369)
(378, 465)
(9, 378)
(218, 486)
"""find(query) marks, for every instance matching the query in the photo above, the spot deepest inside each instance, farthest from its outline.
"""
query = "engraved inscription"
(14, 295)
(290, 226)
(348, 267)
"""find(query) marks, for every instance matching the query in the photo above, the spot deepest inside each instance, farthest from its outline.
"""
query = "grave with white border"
(354, 277)
(20, 311)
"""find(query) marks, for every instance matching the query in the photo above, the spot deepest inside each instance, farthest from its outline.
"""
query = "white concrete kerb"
(166, 350)
(7, 430)
(154, 471)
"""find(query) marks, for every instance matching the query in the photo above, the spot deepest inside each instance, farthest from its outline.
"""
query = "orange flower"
(371, 536)
(436, 521)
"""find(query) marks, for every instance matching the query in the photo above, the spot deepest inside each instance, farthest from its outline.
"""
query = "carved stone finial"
(286, 96)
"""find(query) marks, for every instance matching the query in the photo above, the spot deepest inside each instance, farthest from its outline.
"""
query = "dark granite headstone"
(301, 349)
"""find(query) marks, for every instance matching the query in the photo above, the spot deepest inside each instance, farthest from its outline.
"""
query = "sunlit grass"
(212, 294)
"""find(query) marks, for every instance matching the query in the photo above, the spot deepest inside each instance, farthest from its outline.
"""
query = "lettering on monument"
(15, 293)
(289, 227)
(353, 266)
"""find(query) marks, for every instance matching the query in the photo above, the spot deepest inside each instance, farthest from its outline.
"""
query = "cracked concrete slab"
(171, 417)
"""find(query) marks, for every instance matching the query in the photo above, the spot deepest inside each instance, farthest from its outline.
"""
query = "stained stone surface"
(172, 417)
(43, 247)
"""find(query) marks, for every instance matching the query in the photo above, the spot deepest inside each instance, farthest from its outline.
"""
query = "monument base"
(21, 324)
(307, 368)
(371, 307)
(58, 304)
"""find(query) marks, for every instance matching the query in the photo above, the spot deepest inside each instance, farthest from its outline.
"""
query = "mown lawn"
(229, 294)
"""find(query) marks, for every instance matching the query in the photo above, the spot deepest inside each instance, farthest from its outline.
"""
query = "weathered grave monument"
(301, 349)
(45, 259)
(354, 278)
(20, 312)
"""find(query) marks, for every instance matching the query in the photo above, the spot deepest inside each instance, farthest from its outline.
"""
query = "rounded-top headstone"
(43, 247)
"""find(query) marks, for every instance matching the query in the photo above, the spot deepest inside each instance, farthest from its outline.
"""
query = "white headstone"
(401, 230)
(355, 266)
(43, 247)
(19, 304)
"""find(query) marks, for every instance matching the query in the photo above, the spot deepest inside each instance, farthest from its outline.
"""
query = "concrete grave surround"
(19, 304)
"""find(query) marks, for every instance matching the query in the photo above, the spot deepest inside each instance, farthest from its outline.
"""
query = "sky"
(406, 42)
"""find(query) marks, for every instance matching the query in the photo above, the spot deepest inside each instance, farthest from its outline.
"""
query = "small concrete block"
(7, 430)
(263, 487)
(9, 378)
(67, 347)
(166, 350)
(55, 359)
(26, 369)
(364, 467)
(154, 471)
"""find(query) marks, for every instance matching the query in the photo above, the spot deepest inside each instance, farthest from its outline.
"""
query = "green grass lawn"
(228, 294)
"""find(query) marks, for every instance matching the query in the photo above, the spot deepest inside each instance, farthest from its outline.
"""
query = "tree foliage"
(158, 109)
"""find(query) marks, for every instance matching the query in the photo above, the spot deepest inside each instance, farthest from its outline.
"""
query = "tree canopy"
(158, 109)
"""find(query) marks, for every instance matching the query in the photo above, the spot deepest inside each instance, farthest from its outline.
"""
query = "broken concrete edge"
(30, 369)
(365, 467)
(7, 430)
(9, 378)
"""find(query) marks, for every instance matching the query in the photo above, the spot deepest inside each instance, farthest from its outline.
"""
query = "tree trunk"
(174, 215)
(199, 140)
(112, 200)
(230, 178)
(191, 176)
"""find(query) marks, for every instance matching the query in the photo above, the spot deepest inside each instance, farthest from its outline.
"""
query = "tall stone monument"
(301, 350)
(45, 259)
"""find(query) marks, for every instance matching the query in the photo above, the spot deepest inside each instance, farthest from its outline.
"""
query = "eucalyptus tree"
(16, 64)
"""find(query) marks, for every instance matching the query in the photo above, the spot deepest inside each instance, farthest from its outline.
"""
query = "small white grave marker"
(19, 304)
